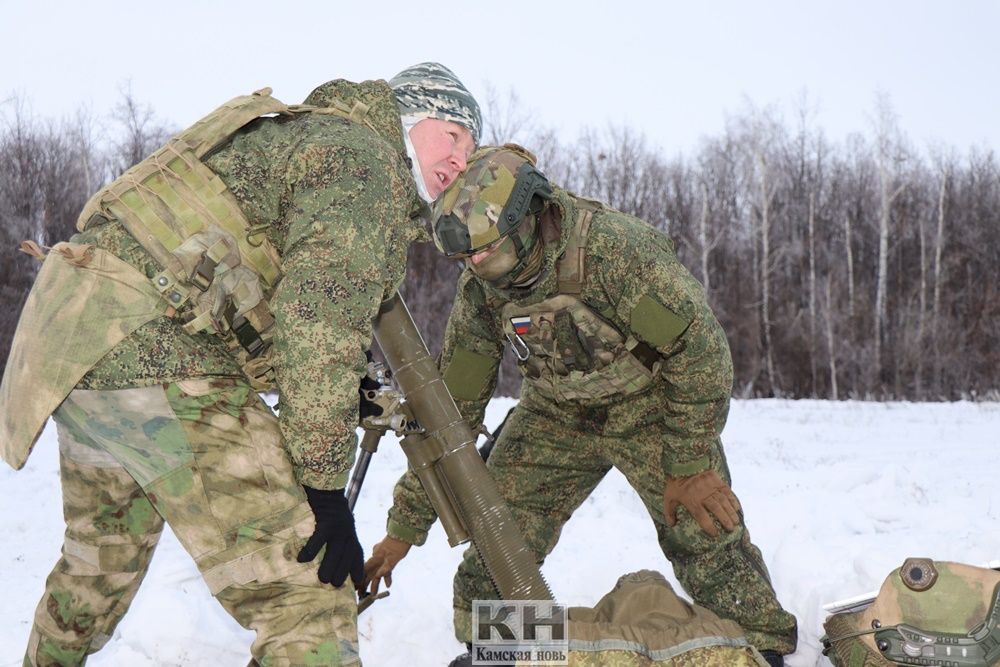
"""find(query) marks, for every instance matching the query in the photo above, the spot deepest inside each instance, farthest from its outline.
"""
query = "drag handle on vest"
(442, 452)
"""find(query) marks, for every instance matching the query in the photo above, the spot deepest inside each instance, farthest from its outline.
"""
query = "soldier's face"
(494, 261)
(443, 149)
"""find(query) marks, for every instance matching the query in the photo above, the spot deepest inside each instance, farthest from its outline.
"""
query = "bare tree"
(705, 244)
(812, 290)
(760, 134)
(945, 168)
(141, 133)
(890, 156)
(828, 315)
(505, 120)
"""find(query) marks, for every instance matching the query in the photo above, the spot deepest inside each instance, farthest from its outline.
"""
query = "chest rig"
(218, 271)
(566, 350)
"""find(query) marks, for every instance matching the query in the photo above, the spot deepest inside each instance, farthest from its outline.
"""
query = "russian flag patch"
(521, 324)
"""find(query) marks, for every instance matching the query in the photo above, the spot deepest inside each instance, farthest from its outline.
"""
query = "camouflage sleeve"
(665, 307)
(470, 359)
(343, 199)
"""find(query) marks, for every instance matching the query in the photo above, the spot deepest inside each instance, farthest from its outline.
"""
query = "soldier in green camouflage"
(624, 366)
(252, 251)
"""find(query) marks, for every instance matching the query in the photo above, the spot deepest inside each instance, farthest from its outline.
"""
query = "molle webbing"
(169, 197)
(219, 271)
(571, 269)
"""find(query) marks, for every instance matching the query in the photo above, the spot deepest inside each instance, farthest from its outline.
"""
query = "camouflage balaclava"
(495, 203)
(431, 90)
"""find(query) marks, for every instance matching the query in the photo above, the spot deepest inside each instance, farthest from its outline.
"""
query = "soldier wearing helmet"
(624, 366)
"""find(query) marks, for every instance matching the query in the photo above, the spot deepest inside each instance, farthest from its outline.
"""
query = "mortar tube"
(461, 471)
(419, 452)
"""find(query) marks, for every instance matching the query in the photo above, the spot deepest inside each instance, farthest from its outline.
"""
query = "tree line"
(866, 268)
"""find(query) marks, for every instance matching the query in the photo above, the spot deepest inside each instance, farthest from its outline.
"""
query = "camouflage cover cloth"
(642, 622)
(551, 454)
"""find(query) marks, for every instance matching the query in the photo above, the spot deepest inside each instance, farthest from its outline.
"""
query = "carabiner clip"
(521, 349)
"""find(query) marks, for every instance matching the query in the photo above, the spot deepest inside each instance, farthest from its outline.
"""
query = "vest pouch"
(574, 354)
(217, 271)
(83, 303)
(625, 376)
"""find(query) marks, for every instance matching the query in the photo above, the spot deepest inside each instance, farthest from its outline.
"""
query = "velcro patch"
(468, 374)
(655, 323)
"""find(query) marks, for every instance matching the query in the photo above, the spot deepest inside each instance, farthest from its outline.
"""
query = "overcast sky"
(670, 69)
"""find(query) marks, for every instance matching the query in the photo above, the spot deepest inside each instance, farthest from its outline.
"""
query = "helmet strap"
(528, 257)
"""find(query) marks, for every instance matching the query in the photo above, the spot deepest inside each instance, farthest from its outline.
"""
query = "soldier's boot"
(773, 658)
(463, 660)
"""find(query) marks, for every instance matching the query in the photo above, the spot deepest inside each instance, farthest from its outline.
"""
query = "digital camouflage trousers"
(204, 455)
(546, 469)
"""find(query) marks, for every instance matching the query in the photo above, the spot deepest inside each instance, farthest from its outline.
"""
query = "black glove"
(335, 530)
(367, 408)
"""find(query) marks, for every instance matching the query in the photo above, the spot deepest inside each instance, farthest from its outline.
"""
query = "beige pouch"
(643, 622)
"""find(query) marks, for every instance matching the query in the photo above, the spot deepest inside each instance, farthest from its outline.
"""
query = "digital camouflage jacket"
(337, 200)
(634, 282)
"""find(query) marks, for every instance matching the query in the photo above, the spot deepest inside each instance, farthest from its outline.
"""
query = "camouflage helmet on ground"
(926, 613)
(489, 201)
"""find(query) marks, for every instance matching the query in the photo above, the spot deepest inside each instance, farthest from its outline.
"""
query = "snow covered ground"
(836, 495)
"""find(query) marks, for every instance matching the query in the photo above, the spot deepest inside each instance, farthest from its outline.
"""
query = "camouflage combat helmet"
(926, 613)
(493, 203)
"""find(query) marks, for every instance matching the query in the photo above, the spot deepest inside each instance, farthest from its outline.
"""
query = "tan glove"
(385, 555)
(705, 496)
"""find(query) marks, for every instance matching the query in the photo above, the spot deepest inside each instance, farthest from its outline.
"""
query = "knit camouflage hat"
(431, 90)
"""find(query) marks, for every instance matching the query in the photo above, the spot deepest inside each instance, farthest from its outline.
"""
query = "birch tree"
(890, 156)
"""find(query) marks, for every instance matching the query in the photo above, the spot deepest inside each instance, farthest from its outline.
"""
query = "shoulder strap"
(221, 124)
(357, 113)
(571, 268)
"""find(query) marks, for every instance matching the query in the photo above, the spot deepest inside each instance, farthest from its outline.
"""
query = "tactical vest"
(218, 271)
(566, 350)
(926, 613)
